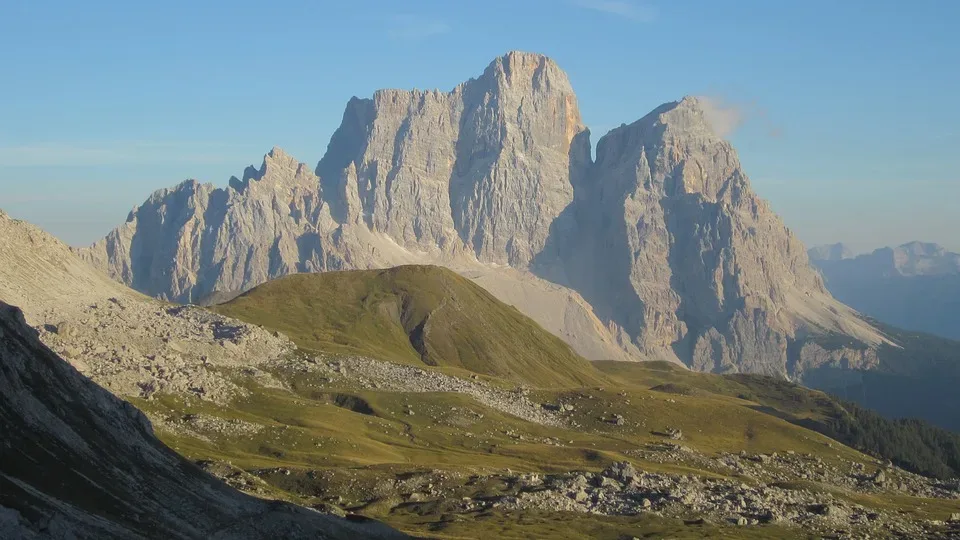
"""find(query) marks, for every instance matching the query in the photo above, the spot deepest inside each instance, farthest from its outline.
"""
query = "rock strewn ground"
(623, 490)
(139, 348)
(387, 376)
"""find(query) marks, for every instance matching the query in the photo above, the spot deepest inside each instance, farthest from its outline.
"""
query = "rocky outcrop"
(696, 264)
(486, 167)
(659, 249)
(914, 286)
(76, 462)
(186, 242)
(131, 344)
(471, 179)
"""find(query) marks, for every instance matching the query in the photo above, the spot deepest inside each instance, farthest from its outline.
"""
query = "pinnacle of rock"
(495, 174)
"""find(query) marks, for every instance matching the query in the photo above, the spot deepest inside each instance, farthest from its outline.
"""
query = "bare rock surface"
(76, 462)
(129, 343)
(390, 377)
(698, 265)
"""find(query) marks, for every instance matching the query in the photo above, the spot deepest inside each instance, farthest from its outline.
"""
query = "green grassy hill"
(912, 444)
(414, 315)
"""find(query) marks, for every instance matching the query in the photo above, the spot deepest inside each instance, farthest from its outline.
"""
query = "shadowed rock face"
(914, 286)
(696, 264)
(76, 462)
(662, 235)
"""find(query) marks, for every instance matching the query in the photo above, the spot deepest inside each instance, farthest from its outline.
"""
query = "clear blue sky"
(851, 117)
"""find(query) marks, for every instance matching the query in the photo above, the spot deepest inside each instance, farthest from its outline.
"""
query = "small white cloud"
(619, 8)
(416, 27)
(724, 117)
(727, 116)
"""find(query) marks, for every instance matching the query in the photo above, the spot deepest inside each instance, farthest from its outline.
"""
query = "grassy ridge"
(912, 444)
(413, 315)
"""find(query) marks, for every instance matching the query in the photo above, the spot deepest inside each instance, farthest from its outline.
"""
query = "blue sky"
(850, 123)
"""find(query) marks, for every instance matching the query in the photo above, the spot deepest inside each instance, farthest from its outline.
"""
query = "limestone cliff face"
(188, 241)
(662, 236)
(486, 167)
(696, 264)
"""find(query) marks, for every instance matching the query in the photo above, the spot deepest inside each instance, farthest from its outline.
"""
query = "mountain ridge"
(497, 175)
(915, 286)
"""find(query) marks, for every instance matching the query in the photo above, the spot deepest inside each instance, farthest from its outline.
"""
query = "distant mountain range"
(914, 286)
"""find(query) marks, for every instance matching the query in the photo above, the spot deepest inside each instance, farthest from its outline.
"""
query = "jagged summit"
(484, 168)
(278, 168)
(524, 68)
(674, 150)
(661, 235)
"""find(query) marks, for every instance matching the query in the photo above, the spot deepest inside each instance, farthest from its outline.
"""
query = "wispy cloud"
(727, 116)
(620, 8)
(416, 27)
(724, 117)
(55, 154)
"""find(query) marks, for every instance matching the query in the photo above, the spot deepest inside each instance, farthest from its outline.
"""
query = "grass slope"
(348, 440)
(414, 315)
(912, 444)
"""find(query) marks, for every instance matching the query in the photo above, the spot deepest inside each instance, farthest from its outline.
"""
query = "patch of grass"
(422, 315)
(912, 444)
(349, 441)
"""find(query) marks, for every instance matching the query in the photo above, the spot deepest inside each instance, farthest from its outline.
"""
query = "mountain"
(657, 249)
(416, 315)
(830, 252)
(76, 462)
(914, 286)
(697, 265)
(197, 243)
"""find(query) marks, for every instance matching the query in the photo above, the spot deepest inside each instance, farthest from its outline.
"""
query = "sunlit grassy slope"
(424, 315)
(912, 444)
(346, 438)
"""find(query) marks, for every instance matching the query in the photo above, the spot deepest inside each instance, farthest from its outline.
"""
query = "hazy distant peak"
(909, 259)
(922, 249)
(830, 252)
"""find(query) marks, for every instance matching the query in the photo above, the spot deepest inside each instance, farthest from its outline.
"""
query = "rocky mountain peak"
(830, 252)
(528, 71)
(665, 239)
(921, 249)
(671, 151)
(278, 169)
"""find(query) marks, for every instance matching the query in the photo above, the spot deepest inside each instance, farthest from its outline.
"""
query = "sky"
(845, 114)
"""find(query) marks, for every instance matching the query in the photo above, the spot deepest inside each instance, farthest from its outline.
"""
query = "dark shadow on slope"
(584, 250)
(75, 456)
